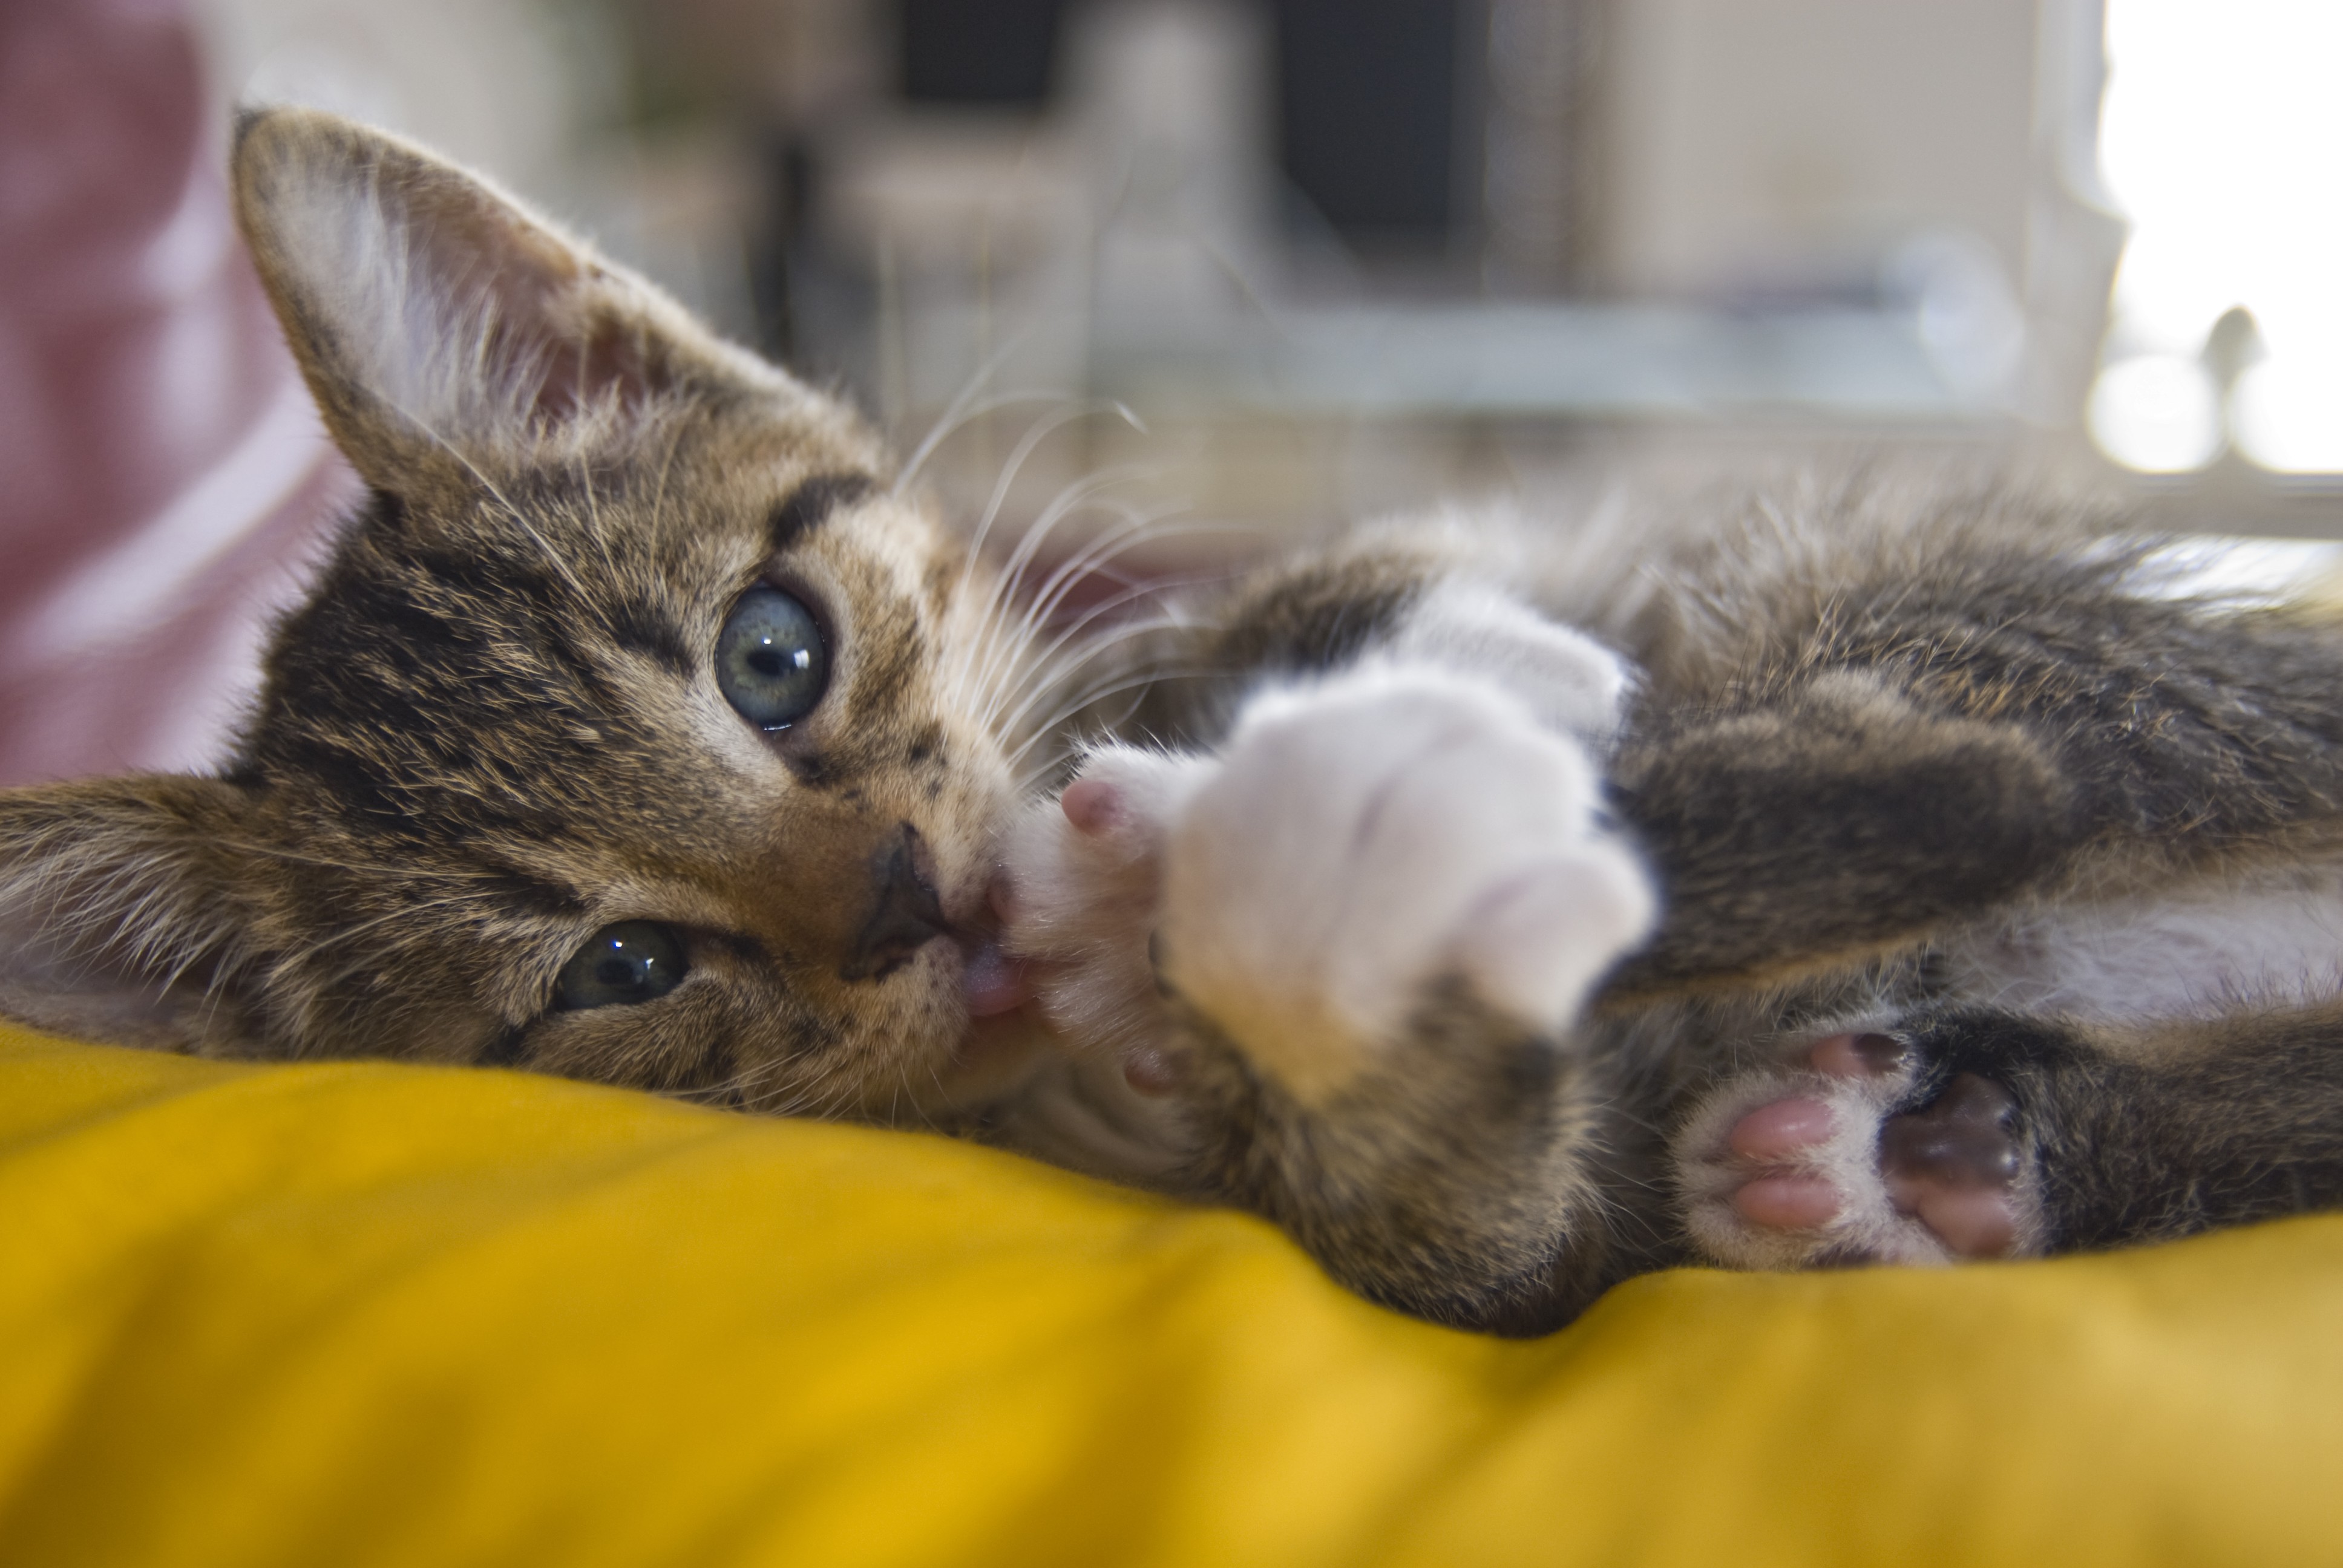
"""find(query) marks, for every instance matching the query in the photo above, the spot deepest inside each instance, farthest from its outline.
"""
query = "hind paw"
(1845, 1157)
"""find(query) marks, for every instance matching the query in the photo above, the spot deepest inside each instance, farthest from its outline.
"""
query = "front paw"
(1080, 895)
(1861, 1149)
(1366, 838)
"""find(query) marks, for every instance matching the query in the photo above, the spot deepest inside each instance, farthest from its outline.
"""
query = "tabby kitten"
(1892, 876)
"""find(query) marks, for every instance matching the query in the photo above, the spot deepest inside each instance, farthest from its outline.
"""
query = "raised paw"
(1846, 1157)
(1370, 837)
(1355, 843)
(1079, 894)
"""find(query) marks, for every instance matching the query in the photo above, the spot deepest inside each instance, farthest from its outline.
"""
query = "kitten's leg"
(1380, 909)
(1922, 753)
(1977, 1135)
(1839, 818)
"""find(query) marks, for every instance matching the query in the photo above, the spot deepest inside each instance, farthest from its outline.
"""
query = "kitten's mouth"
(990, 981)
(909, 918)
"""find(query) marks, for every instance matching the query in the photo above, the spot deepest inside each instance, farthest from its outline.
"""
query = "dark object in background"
(1378, 101)
(995, 51)
(1376, 115)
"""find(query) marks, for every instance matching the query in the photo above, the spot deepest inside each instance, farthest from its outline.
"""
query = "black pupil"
(771, 663)
(632, 961)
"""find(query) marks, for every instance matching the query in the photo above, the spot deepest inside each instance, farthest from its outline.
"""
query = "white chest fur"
(2277, 941)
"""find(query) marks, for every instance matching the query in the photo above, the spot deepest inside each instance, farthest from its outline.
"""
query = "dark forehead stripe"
(812, 503)
(650, 631)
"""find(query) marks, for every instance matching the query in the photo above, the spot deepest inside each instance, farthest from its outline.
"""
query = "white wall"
(1781, 141)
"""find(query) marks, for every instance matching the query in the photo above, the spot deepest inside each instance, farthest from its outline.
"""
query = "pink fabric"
(163, 475)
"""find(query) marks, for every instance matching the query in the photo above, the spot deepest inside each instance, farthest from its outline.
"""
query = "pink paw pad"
(1786, 1201)
(1149, 1071)
(1783, 1130)
(1773, 1135)
(1092, 807)
(1951, 1164)
(1865, 1055)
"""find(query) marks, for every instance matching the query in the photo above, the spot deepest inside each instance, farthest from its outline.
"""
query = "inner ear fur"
(126, 906)
(438, 319)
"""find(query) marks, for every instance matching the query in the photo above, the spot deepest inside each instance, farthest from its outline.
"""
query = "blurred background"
(1259, 263)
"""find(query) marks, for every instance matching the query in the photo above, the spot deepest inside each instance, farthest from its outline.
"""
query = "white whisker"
(1041, 673)
(518, 518)
(1084, 697)
(594, 513)
(1069, 502)
(1040, 431)
(1140, 530)
(1028, 776)
(958, 416)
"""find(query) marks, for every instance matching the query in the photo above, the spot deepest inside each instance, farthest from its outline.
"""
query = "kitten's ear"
(432, 314)
(124, 911)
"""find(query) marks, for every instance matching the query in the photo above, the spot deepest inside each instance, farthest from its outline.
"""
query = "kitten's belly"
(2269, 943)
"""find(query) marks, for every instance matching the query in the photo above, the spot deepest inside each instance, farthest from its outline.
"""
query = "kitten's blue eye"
(771, 663)
(632, 961)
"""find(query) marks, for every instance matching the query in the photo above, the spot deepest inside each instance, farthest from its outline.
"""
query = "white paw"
(1082, 881)
(1365, 837)
(1568, 681)
(1821, 1160)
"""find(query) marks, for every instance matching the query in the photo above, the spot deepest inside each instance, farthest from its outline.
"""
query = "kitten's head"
(628, 733)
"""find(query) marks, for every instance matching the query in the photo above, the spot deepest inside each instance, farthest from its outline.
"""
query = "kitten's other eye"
(771, 663)
(632, 961)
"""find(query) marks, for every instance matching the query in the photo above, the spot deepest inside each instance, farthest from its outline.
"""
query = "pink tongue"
(991, 983)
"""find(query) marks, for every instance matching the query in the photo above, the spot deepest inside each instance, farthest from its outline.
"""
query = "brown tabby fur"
(488, 732)
(492, 729)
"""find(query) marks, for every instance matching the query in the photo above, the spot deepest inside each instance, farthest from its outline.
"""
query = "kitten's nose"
(906, 916)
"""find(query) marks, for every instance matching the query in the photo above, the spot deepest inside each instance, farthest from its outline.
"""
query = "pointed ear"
(435, 318)
(125, 905)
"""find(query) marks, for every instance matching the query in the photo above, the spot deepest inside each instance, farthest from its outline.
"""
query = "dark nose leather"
(905, 916)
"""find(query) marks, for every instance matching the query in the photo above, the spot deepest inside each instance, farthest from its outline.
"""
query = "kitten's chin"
(1000, 1041)
(994, 1059)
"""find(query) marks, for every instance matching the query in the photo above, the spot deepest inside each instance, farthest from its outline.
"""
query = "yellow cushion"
(359, 1313)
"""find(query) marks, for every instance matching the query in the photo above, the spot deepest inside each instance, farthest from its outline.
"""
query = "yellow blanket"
(350, 1314)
